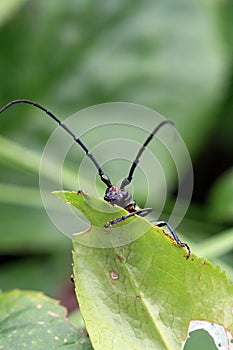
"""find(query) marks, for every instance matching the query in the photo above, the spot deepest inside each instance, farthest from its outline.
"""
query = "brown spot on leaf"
(114, 275)
(120, 257)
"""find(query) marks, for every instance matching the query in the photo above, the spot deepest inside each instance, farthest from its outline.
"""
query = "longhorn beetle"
(114, 194)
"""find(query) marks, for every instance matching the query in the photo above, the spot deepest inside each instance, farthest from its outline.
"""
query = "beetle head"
(119, 196)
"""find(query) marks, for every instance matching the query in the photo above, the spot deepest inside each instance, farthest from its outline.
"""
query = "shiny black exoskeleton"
(119, 196)
(116, 195)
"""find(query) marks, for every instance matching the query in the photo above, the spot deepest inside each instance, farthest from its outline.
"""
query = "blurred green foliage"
(21, 316)
(172, 56)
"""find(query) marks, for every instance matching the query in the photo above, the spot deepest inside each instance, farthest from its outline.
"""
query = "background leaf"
(34, 321)
(220, 201)
(9, 8)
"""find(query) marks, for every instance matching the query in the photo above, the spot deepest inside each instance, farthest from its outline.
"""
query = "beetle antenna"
(102, 175)
(128, 179)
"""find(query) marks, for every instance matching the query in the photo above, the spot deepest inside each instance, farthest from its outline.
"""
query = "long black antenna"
(102, 175)
(128, 179)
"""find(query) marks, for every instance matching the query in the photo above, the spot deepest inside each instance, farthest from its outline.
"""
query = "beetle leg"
(175, 236)
(140, 212)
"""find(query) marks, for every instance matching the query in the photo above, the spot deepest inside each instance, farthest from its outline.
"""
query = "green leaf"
(24, 237)
(218, 245)
(142, 295)
(30, 320)
(31, 272)
(9, 8)
(29, 160)
(220, 201)
(20, 195)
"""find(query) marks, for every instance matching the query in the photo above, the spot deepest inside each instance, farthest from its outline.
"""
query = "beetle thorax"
(119, 196)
